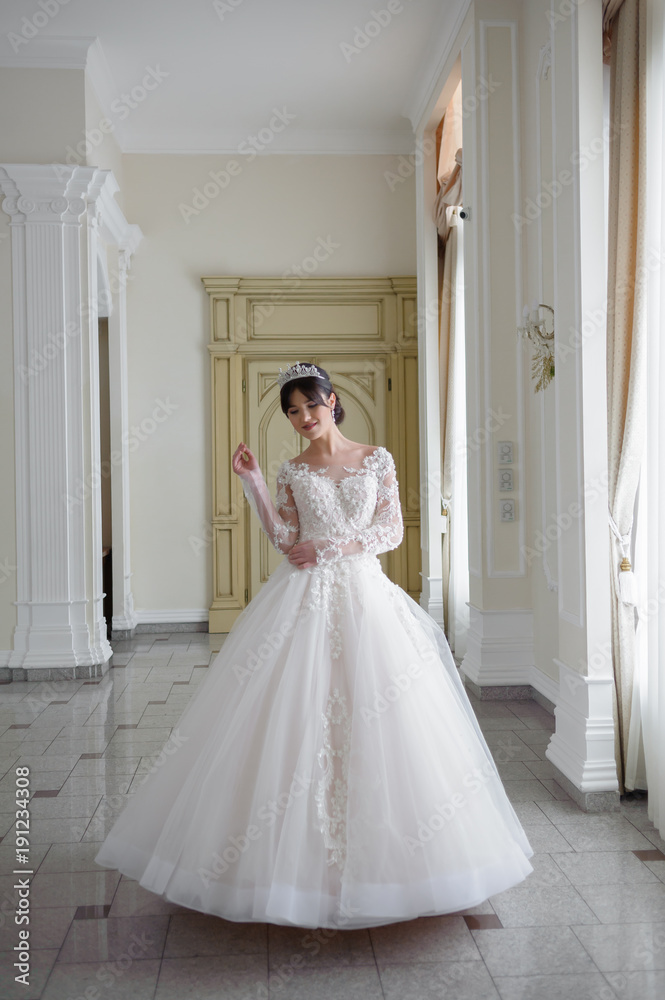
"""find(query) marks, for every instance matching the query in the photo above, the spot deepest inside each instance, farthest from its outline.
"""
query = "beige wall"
(44, 116)
(269, 218)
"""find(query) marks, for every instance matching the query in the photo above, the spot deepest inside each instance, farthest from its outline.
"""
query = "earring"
(332, 410)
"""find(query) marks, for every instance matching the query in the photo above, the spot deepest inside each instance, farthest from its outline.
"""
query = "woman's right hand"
(243, 460)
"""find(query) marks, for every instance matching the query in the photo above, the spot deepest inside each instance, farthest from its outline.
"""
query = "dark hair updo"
(316, 389)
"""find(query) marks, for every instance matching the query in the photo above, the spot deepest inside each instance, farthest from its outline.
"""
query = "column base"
(499, 651)
(83, 671)
(592, 802)
(582, 747)
(431, 598)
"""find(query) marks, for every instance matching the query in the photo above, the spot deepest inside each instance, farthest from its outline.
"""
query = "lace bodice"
(344, 510)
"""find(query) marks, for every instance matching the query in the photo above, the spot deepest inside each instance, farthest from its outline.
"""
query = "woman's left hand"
(303, 555)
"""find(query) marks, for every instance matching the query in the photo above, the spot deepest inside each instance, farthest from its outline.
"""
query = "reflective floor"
(588, 924)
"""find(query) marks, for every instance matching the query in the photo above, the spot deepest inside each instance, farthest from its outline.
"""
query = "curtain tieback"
(627, 584)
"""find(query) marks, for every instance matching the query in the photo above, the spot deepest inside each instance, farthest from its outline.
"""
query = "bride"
(329, 771)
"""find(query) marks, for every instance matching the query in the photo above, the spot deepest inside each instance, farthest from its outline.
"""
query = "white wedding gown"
(329, 770)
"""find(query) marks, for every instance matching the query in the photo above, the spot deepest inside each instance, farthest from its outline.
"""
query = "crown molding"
(49, 52)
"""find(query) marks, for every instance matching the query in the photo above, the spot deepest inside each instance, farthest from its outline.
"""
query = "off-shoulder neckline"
(333, 465)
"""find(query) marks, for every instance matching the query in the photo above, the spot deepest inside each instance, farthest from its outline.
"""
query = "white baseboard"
(544, 684)
(170, 616)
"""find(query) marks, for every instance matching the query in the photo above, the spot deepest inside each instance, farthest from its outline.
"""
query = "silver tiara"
(297, 370)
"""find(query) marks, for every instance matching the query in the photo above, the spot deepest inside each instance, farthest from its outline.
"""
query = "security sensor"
(465, 214)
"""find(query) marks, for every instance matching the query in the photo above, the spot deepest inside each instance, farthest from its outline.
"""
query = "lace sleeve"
(280, 520)
(387, 528)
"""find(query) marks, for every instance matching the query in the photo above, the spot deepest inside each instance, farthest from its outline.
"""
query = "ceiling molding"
(364, 91)
(49, 52)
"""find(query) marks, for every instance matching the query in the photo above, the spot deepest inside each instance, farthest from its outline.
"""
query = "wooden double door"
(377, 384)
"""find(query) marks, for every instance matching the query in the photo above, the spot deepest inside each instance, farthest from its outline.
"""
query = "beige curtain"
(626, 349)
(610, 10)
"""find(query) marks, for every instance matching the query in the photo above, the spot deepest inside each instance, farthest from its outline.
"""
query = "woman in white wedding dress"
(329, 771)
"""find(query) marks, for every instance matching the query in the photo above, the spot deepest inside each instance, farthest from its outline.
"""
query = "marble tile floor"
(588, 924)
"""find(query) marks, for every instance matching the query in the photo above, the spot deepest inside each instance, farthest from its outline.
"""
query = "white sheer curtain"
(454, 466)
(651, 513)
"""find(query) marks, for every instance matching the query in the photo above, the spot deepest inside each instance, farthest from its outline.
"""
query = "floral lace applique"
(358, 513)
(349, 518)
(332, 789)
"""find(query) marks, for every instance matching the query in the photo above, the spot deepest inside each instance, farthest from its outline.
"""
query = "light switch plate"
(507, 509)
(504, 451)
(506, 480)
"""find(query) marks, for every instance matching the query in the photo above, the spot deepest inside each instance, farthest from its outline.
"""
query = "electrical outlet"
(506, 480)
(504, 450)
(507, 510)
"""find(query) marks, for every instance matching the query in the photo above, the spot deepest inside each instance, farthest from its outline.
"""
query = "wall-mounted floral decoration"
(539, 330)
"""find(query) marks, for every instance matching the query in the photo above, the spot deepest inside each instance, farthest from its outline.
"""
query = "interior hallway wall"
(267, 218)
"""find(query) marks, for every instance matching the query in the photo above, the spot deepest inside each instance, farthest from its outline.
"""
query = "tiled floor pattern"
(588, 924)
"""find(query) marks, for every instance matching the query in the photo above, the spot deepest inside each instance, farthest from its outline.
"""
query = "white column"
(59, 631)
(124, 616)
(90, 340)
(431, 520)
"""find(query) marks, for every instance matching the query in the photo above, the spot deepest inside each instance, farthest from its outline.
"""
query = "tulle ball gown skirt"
(328, 771)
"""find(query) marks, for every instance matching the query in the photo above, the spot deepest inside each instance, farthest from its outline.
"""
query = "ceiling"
(349, 76)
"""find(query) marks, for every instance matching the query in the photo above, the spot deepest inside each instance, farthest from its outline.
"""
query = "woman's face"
(310, 417)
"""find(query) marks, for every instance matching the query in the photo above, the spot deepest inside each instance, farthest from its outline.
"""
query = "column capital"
(60, 193)
(45, 192)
